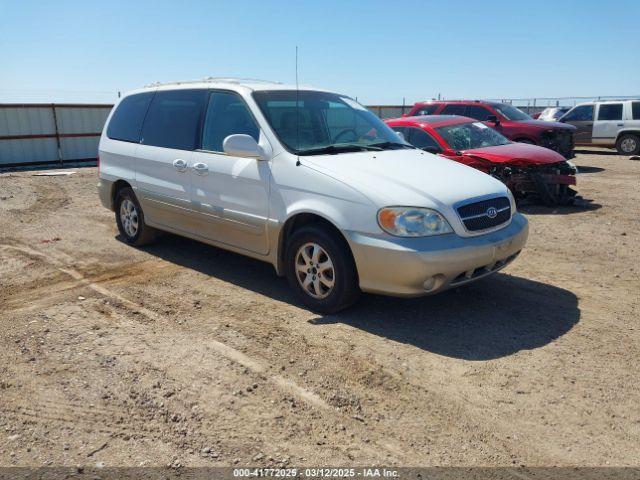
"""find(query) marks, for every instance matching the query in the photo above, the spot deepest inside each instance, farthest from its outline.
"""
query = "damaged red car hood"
(548, 125)
(520, 154)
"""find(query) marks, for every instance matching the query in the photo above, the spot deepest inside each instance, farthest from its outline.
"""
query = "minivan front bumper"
(411, 267)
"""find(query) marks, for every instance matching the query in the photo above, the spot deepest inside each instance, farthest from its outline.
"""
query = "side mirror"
(405, 115)
(493, 119)
(240, 145)
(401, 136)
(432, 149)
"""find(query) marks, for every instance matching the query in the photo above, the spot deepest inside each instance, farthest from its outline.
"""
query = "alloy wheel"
(628, 145)
(314, 270)
(129, 217)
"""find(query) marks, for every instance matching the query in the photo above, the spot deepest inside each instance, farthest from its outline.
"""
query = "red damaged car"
(529, 171)
(506, 119)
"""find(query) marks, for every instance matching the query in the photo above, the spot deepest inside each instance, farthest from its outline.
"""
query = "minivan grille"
(476, 216)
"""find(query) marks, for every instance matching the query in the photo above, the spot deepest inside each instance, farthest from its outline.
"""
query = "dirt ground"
(184, 354)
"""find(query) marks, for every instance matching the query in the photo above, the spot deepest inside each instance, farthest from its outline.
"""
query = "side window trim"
(144, 119)
(204, 119)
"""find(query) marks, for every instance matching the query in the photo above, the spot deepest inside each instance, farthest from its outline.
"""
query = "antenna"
(297, 110)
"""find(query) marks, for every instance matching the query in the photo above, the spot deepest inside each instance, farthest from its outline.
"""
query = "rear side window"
(635, 109)
(173, 120)
(454, 110)
(610, 111)
(478, 112)
(126, 122)
(426, 110)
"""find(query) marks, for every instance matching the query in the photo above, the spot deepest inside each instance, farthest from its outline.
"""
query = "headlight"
(412, 222)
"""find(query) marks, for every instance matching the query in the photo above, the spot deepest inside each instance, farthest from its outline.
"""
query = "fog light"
(429, 283)
(434, 283)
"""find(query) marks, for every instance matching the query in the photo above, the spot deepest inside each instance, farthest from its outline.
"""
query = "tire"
(628, 144)
(130, 219)
(327, 291)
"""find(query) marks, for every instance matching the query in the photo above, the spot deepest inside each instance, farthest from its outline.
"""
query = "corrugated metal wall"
(389, 111)
(50, 133)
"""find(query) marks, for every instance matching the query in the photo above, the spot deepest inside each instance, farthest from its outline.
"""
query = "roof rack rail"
(214, 80)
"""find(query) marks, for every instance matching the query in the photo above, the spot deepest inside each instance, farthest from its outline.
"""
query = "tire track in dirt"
(237, 356)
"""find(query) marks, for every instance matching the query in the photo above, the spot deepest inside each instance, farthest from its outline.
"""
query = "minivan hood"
(515, 153)
(407, 177)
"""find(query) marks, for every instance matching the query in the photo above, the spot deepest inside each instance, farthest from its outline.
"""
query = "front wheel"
(628, 144)
(321, 270)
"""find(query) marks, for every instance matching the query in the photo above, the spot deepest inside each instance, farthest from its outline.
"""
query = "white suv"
(614, 123)
(307, 180)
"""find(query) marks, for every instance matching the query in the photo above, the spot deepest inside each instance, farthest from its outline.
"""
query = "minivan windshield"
(466, 136)
(511, 113)
(324, 123)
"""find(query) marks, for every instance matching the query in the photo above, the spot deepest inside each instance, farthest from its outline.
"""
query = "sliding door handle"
(201, 168)
(180, 165)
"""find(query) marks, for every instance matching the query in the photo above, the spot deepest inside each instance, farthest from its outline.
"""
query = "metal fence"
(389, 111)
(37, 133)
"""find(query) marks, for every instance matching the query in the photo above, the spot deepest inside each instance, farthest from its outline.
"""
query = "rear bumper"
(411, 267)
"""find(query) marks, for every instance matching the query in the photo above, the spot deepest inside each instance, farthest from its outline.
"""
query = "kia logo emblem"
(492, 212)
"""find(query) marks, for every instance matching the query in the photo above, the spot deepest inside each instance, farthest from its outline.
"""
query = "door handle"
(201, 168)
(620, 124)
(180, 165)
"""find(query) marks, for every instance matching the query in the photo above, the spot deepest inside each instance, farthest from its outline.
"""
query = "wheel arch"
(115, 188)
(628, 131)
(297, 221)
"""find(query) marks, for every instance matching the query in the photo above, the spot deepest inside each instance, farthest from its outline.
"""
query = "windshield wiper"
(342, 148)
(391, 145)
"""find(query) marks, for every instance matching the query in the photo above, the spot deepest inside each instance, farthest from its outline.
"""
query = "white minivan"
(307, 180)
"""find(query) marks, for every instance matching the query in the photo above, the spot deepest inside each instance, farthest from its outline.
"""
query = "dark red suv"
(508, 120)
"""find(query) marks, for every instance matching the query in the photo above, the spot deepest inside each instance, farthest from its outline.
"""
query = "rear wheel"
(130, 219)
(321, 270)
(628, 144)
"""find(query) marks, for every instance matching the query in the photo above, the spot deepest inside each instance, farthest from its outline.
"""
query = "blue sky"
(379, 51)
